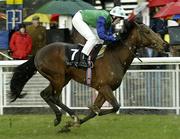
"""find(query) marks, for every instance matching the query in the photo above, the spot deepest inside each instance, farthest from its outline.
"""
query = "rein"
(135, 47)
(133, 51)
(134, 54)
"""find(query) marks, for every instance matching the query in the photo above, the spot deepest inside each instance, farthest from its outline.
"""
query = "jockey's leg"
(87, 33)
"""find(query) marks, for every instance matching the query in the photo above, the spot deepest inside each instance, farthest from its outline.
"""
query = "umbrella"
(54, 17)
(64, 7)
(44, 18)
(156, 3)
(170, 9)
(2, 16)
(175, 17)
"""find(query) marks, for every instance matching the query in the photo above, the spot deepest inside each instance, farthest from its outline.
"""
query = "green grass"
(105, 127)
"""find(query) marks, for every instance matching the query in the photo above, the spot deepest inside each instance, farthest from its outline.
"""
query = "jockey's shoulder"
(96, 11)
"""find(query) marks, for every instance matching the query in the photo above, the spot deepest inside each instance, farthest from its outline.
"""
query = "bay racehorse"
(107, 73)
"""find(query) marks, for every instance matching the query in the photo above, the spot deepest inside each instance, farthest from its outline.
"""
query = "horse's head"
(148, 38)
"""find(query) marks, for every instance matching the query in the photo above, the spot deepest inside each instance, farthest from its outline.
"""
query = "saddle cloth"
(74, 55)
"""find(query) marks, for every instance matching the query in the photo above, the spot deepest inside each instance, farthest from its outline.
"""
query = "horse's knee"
(44, 94)
(95, 109)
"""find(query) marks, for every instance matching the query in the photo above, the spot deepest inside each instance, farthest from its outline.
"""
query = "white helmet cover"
(118, 11)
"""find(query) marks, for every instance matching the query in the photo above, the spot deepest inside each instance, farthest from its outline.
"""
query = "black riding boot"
(83, 61)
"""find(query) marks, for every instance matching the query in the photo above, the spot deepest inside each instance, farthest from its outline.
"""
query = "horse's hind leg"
(46, 94)
(107, 92)
(59, 103)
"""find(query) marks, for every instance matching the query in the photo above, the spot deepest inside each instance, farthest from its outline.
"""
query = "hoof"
(64, 130)
(76, 125)
(69, 124)
(72, 124)
(56, 122)
(95, 109)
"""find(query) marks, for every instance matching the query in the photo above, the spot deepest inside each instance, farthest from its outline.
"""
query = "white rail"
(140, 89)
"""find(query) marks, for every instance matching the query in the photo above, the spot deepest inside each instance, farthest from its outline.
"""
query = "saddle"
(74, 55)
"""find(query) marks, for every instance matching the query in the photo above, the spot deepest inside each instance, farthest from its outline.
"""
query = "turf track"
(106, 127)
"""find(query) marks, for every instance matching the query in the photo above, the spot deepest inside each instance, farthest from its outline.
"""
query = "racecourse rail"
(151, 84)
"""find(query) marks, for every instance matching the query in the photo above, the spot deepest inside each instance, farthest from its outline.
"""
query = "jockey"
(96, 27)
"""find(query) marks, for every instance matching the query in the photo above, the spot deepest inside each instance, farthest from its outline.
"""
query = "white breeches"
(89, 33)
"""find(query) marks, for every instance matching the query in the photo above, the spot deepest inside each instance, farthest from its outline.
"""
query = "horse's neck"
(125, 53)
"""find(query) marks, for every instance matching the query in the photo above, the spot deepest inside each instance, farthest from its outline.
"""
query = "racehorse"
(107, 73)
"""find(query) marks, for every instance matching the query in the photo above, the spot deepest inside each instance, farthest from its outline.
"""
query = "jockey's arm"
(101, 30)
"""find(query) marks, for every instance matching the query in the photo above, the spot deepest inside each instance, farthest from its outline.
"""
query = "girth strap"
(89, 71)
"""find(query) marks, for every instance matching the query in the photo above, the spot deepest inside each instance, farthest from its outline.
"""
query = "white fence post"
(117, 95)
(1, 91)
(122, 95)
(174, 88)
(177, 89)
(64, 95)
(68, 94)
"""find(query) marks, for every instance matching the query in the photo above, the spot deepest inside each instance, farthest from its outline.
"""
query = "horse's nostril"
(166, 47)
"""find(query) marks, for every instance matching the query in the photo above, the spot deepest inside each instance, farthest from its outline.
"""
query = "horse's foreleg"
(94, 109)
(109, 96)
(59, 103)
(46, 95)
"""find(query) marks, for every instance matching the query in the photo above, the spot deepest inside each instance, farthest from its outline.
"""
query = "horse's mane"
(128, 26)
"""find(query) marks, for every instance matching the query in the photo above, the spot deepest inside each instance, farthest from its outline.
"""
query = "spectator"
(53, 25)
(21, 43)
(38, 34)
(159, 26)
(174, 34)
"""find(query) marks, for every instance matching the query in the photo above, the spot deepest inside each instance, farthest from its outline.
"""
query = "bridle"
(133, 49)
(143, 36)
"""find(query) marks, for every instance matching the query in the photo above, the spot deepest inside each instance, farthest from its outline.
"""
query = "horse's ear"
(137, 25)
(128, 25)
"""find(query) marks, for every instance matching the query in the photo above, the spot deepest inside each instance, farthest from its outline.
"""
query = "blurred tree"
(30, 6)
(2, 6)
(93, 2)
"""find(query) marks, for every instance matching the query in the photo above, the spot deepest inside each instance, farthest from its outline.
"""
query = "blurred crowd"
(169, 30)
(26, 40)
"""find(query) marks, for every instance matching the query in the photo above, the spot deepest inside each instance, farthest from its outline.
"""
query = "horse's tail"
(20, 77)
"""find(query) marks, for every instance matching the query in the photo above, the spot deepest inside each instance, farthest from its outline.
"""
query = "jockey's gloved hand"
(112, 38)
(117, 36)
